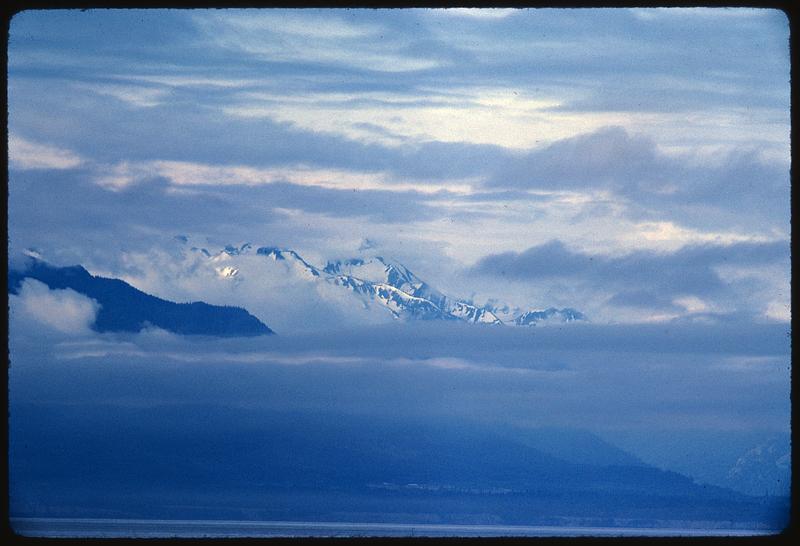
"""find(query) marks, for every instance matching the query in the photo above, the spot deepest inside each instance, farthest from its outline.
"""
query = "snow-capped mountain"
(379, 270)
(382, 282)
(292, 259)
(764, 470)
(530, 318)
(470, 313)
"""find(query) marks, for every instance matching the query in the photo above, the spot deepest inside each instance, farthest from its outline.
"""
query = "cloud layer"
(664, 391)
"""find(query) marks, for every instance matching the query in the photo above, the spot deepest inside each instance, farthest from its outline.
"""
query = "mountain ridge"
(392, 285)
(308, 463)
(128, 309)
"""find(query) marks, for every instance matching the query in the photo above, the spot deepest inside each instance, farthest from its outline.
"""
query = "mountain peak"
(235, 251)
(291, 258)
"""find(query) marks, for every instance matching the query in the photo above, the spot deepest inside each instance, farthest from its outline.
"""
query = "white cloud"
(141, 97)
(284, 36)
(779, 310)
(513, 118)
(480, 13)
(185, 173)
(668, 236)
(24, 154)
(197, 80)
(297, 24)
(652, 14)
(119, 176)
(692, 304)
(65, 311)
(284, 300)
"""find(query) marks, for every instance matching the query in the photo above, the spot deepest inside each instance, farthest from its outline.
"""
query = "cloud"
(685, 279)
(24, 154)
(316, 26)
(650, 14)
(482, 13)
(184, 173)
(86, 223)
(554, 259)
(514, 376)
(510, 117)
(314, 38)
(607, 157)
(671, 388)
(189, 129)
(632, 166)
(64, 311)
(138, 96)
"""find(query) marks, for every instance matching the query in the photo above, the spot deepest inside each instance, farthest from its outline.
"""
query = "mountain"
(291, 258)
(470, 313)
(575, 445)
(124, 308)
(186, 462)
(530, 318)
(390, 284)
(763, 470)
(385, 282)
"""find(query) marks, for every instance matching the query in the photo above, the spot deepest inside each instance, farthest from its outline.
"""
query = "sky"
(630, 163)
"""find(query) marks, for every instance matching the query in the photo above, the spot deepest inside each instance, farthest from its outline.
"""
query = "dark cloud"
(740, 184)
(187, 129)
(609, 157)
(643, 299)
(640, 278)
(67, 210)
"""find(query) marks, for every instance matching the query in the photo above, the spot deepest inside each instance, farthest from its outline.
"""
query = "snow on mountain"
(292, 260)
(400, 303)
(227, 272)
(763, 470)
(380, 270)
(470, 313)
(375, 281)
(531, 318)
(358, 273)
(390, 284)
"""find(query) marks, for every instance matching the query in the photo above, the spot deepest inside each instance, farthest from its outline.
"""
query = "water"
(138, 528)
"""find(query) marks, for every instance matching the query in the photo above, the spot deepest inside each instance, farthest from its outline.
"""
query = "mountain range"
(124, 308)
(374, 285)
(376, 280)
(186, 462)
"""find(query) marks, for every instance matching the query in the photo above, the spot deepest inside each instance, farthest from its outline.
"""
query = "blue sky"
(472, 145)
